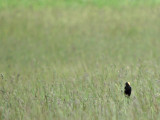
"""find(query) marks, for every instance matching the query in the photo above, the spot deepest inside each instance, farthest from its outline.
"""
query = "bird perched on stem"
(127, 89)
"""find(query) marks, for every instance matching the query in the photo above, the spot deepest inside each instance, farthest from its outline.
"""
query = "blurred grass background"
(70, 3)
(70, 59)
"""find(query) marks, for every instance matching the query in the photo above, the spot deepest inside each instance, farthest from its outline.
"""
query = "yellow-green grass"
(72, 63)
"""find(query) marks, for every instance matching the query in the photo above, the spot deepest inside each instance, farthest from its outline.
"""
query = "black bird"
(127, 89)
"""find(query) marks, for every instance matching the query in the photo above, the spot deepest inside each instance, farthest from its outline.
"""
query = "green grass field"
(71, 3)
(69, 60)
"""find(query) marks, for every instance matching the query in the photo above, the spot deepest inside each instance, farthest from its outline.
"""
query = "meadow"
(69, 60)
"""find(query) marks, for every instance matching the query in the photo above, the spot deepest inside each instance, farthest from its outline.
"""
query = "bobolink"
(127, 89)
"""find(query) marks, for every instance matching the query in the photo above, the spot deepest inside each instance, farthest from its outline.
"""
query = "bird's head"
(127, 84)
